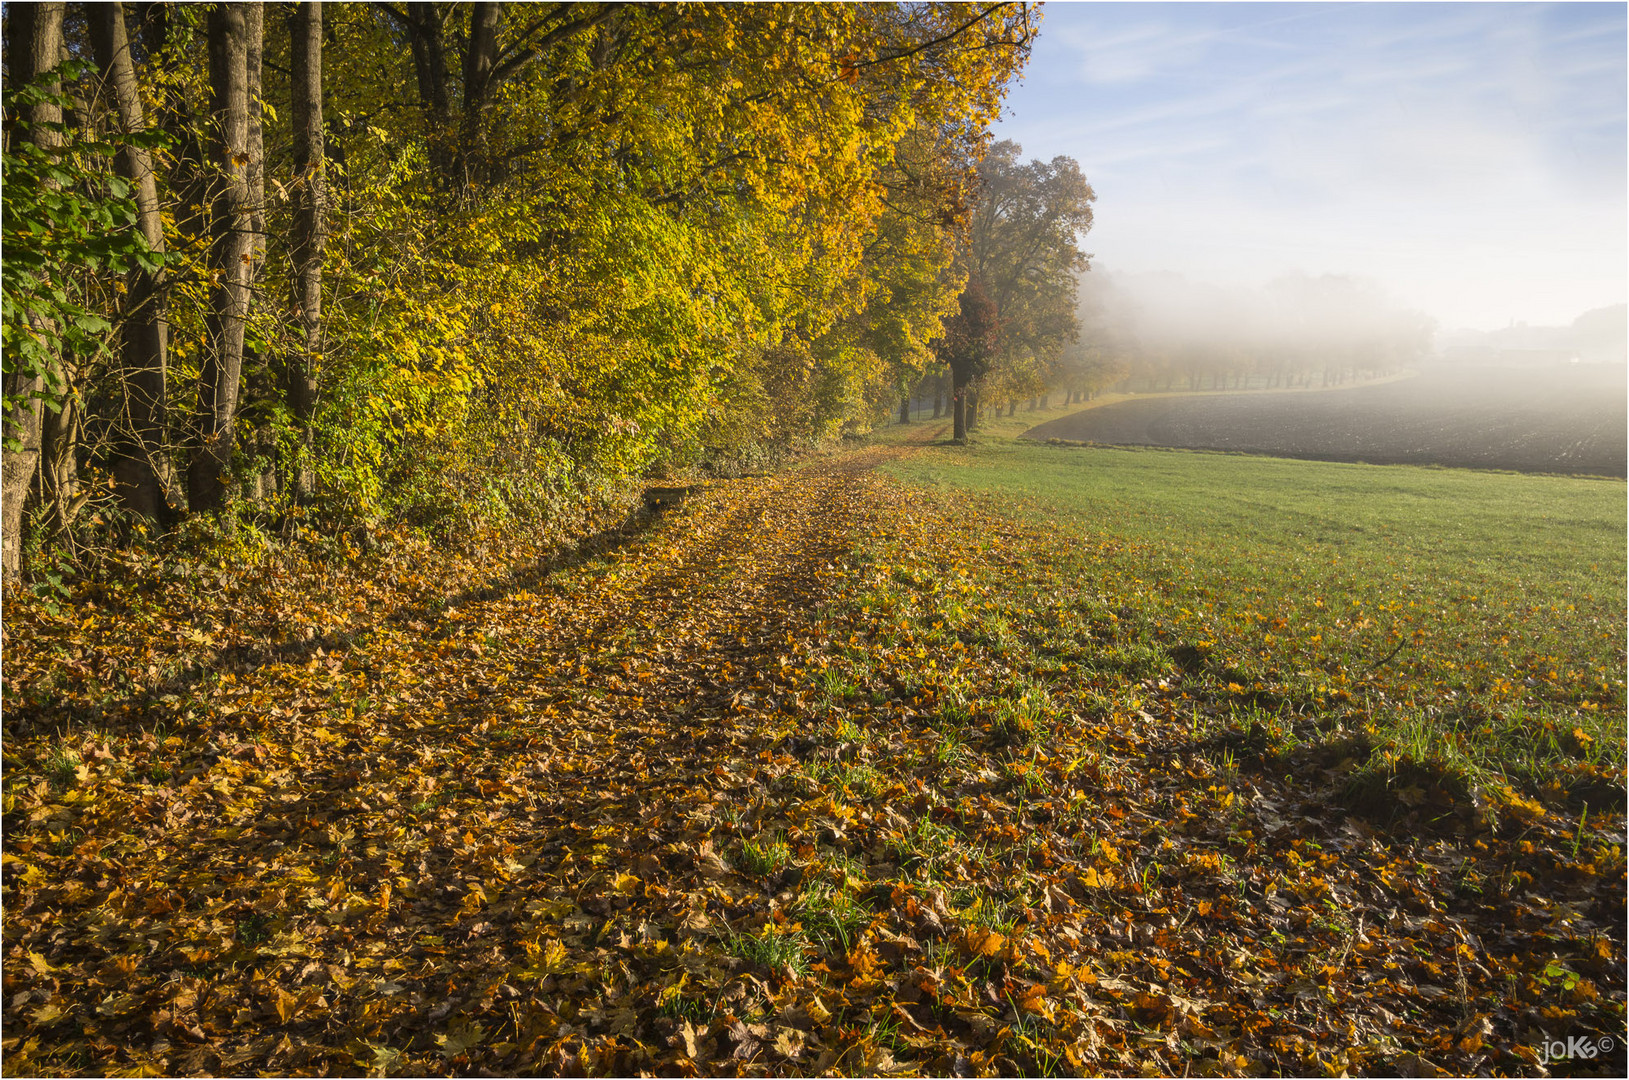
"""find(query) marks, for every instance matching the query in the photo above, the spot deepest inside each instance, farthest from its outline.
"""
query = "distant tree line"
(1599, 336)
(1162, 332)
(459, 262)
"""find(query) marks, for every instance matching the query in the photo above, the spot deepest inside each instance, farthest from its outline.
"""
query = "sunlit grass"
(1453, 619)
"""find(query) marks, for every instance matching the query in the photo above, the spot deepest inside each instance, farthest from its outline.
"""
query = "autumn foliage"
(460, 265)
(360, 717)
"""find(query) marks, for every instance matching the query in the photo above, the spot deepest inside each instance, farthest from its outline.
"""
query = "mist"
(1331, 368)
(1164, 330)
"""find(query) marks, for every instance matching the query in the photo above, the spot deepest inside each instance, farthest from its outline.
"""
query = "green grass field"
(1471, 621)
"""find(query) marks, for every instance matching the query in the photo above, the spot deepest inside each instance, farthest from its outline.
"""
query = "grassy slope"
(1473, 619)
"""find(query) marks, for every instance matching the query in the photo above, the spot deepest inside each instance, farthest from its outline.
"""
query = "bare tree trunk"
(958, 405)
(176, 115)
(938, 401)
(141, 469)
(59, 461)
(310, 229)
(231, 257)
(35, 46)
(480, 60)
(905, 409)
(265, 438)
(254, 25)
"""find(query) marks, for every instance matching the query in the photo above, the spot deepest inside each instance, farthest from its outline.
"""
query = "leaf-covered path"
(815, 776)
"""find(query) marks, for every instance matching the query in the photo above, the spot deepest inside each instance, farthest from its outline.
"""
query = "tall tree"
(310, 231)
(140, 467)
(231, 256)
(34, 48)
(1024, 246)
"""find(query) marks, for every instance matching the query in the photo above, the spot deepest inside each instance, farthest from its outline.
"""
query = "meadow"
(1469, 622)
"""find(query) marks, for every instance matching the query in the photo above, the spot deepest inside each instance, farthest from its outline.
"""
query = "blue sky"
(1468, 156)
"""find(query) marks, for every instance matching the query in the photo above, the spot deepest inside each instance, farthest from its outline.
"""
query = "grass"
(1453, 620)
(765, 857)
(773, 948)
(832, 917)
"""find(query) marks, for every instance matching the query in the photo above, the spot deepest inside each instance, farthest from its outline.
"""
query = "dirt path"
(751, 795)
(370, 841)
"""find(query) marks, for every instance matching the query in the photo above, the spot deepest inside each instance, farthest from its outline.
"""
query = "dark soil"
(1557, 420)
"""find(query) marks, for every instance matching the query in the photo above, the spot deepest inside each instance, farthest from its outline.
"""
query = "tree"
(34, 48)
(309, 229)
(970, 340)
(1024, 246)
(141, 468)
(231, 253)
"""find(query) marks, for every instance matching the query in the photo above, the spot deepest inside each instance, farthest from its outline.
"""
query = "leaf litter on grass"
(815, 777)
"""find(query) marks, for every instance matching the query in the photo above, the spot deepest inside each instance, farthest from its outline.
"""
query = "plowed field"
(1560, 420)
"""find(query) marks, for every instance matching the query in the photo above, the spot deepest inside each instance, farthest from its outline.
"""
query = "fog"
(1338, 371)
(1164, 330)
(1150, 322)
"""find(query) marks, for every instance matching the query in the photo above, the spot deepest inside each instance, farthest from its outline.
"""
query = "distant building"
(1597, 337)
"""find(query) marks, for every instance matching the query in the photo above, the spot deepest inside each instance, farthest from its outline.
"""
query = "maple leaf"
(981, 941)
(460, 1039)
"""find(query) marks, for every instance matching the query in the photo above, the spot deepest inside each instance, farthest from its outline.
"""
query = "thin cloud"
(1225, 137)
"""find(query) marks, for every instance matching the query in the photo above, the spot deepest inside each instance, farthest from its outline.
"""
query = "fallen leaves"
(798, 782)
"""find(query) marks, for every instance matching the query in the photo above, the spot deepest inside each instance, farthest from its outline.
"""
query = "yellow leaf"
(983, 942)
(457, 1041)
(46, 1014)
(1097, 879)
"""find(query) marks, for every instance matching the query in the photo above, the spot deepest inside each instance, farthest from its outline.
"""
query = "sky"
(1470, 157)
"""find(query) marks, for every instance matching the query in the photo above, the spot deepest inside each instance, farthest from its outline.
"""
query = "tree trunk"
(231, 257)
(310, 230)
(35, 46)
(265, 438)
(972, 397)
(255, 172)
(140, 469)
(59, 464)
(905, 409)
(938, 401)
(480, 58)
(423, 23)
(958, 406)
(60, 428)
(1012, 406)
